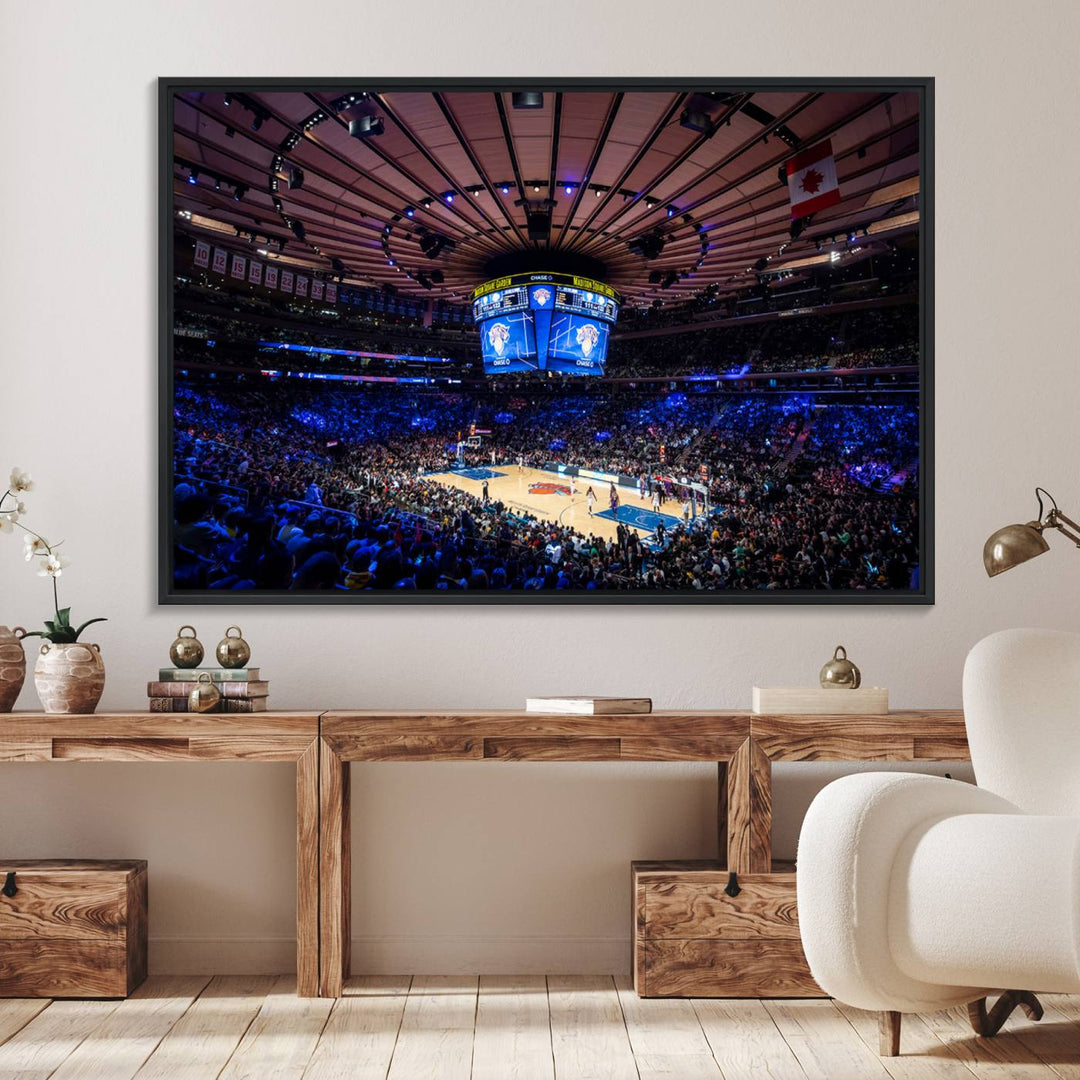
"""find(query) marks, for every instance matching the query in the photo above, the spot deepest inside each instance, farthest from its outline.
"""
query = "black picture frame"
(168, 595)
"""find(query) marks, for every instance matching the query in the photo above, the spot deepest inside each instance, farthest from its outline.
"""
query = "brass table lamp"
(1014, 544)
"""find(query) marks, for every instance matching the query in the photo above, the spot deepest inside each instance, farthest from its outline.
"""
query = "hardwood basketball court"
(520, 490)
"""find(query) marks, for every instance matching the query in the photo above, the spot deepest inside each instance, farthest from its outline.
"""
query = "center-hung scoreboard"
(545, 322)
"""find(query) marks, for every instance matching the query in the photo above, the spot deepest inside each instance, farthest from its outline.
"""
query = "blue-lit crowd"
(287, 486)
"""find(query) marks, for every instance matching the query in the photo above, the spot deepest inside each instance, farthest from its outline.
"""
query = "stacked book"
(241, 689)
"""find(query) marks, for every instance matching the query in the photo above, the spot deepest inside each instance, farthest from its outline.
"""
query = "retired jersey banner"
(271, 277)
(301, 285)
(316, 289)
(255, 272)
(811, 180)
(202, 253)
(221, 260)
(331, 292)
(286, 280)
(239, 267)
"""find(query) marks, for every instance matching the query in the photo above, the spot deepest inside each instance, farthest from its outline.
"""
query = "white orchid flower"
(7, 520)
(34, 545)
(20, 481)
(54, 565)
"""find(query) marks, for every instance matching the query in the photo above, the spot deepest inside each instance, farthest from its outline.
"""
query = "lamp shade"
(1012, 545)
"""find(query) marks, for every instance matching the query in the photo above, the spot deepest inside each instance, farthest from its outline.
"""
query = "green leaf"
(86, 624)
(50, 625)
(63, 617)
(35, 633)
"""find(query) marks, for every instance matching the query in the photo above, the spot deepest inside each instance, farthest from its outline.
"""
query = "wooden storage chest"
(693, 939)
(71, 928)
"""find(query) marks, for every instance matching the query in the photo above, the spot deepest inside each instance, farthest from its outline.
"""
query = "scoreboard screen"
(545, 322)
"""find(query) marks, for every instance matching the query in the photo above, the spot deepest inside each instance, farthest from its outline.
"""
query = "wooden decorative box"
(71, 928)
(693, 939)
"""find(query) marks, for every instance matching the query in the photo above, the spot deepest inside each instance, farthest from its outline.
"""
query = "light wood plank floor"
(524, 1027)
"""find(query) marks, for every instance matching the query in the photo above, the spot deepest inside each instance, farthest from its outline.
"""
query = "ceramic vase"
(12, 666)
(69, 678)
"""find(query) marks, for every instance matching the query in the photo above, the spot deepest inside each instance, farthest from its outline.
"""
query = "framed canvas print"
(602, 341)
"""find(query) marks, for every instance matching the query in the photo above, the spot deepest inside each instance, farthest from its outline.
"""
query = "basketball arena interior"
(590, 340)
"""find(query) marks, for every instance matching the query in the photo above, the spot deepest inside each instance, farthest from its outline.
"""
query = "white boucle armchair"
(918, 893)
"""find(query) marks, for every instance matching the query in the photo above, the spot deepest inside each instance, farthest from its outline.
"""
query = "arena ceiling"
(463, 174)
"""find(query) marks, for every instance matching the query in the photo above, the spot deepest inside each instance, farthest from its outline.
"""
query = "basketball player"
(590, 498)
(613, 499)
(521, 462)
(656, 499)
(484, 490)
(573, 485)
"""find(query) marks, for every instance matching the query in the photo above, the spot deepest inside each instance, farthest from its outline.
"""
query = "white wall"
(494, 867)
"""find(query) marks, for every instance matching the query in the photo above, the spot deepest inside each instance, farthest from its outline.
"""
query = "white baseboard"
(431, 954)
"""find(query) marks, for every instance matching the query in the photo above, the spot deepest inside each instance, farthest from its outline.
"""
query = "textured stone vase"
(12, 666)
(69, 678)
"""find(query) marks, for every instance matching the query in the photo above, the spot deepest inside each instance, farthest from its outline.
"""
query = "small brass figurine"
(840, 673)
(186, 651)
(204, 695)
(233, 652)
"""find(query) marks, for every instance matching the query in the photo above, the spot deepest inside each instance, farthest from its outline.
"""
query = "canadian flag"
(811, 180)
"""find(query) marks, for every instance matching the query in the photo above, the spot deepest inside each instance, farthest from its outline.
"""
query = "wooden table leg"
(722, 813)
(307, 872)
(749, 810)
(334, 872)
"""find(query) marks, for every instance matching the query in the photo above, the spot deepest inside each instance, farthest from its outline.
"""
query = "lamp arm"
(1056, 518)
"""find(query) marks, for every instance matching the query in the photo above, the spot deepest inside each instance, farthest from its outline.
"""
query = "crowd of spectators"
(294, 487)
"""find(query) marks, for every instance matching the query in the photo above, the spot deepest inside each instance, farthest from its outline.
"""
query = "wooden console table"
(260, 737)
(323, 745)
(742, 744)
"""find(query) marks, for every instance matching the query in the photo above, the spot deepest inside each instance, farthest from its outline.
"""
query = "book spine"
(169, 704)
(229, 705)
(226, 689)
(216, 674)
(235, 705)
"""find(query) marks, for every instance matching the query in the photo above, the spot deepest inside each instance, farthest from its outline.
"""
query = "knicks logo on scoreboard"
(546, 487)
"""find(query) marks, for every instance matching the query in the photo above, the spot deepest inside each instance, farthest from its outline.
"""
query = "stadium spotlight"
(240, 192)
(569, 189)
(194, 177)
(506, 189)
(449, 196)
(230, 132)
(527, 99)
(363, 127)
(671, 211)
(694, 120)
(296, 179)
(536, 187)
(796, 228)
(228, 100)
(256, 123)
(298, 230)
(781, 174)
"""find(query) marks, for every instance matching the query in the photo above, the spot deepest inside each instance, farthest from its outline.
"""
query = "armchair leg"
(889, 1033)
(988, 1024)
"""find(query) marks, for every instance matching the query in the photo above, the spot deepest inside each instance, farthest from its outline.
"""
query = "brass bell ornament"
(186, 651)
(233, 652)
(840, 673)
(204, 696)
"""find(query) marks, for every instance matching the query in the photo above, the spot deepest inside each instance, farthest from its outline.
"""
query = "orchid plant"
(51, 563)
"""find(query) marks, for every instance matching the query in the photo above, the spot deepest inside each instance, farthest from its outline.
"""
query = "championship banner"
(811, 180)
(239, 267)
(271, 277)
(202, 253)
(301, 285)
(255, 272)
(317, 289)
(221, 260)
(331, 292)
(286, 280)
